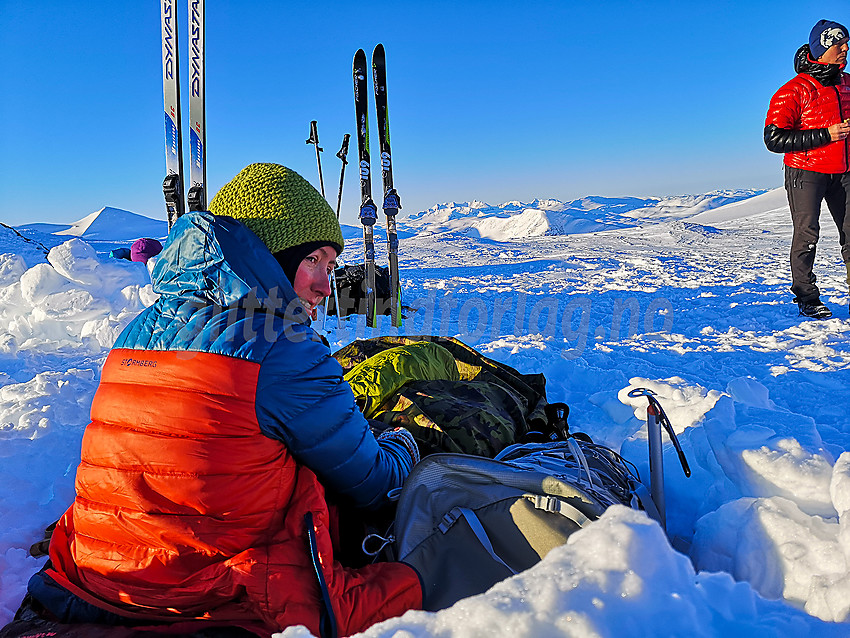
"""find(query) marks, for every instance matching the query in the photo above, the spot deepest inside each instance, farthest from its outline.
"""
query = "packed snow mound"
(108, 224)
(686, 206)
(616, 577)
(533, 222)
(516, 220)
(764, 205)
(75, 299)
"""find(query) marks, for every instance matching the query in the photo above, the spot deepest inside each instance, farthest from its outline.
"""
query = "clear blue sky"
(489, 100)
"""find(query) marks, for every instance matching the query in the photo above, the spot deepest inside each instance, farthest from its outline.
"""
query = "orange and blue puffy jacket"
(218, 423)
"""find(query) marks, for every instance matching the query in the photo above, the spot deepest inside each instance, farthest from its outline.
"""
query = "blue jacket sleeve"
(303, 401)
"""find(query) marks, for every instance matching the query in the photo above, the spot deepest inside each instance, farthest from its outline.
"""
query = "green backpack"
(448, 395)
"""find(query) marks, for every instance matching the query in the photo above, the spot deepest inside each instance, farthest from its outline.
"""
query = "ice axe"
(656, 418)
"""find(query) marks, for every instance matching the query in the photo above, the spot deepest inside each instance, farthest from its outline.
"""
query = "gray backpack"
(466, 522)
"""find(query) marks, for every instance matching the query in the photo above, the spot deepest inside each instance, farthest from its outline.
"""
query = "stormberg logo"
(196, 49)
(141, 363)
(168, 40)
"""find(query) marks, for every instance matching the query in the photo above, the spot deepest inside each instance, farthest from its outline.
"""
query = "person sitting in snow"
(144, 249)
(808, 121)
(219, 423)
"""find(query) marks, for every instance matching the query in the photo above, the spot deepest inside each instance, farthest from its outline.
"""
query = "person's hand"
(405, 439)
(838, 132)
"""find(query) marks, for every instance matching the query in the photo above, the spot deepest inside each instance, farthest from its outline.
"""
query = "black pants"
(806, 190)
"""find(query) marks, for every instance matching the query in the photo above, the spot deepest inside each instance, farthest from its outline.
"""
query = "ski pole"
(656, 418)
(343, 156)
(314, 139)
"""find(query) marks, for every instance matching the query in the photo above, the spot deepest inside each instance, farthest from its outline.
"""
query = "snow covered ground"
(685, 296)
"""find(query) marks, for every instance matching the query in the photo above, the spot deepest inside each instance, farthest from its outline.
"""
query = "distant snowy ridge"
(509, 221)
(518, 220)
(108, 223)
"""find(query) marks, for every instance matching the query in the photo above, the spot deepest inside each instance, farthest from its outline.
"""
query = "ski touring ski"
(391, 202)
(197, 195)
(368, 210)
(172, 185)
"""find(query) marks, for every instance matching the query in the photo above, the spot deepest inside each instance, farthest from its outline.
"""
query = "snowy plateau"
(686, 296)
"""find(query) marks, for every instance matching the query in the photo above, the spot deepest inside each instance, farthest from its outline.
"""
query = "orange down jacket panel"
(208, 517)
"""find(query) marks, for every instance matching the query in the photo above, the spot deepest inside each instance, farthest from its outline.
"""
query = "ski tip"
(359, 53)
(379, 49)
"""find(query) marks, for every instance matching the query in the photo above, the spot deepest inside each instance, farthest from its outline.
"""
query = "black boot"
(814, 309)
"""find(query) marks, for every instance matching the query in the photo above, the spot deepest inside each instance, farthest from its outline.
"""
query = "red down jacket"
(805, 104)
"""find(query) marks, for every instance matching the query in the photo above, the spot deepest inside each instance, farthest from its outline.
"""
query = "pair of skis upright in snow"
(173, 185)
(391, 203)
(196, 199)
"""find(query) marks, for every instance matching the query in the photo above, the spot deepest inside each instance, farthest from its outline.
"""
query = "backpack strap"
(575, 450)
(541, 502)
(477, 528)
(558, 506)
(645, 499)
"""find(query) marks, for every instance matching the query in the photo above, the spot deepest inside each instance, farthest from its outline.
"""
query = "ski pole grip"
(314, 134)
(343, 151)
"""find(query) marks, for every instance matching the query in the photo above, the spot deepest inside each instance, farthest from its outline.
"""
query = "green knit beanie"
(278, 206)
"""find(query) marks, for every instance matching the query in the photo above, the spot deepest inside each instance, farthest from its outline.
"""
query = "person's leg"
(842, 221)
(806, 190)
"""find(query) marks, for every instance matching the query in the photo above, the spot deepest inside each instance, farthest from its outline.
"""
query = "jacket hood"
(216, 259)
(826, 74)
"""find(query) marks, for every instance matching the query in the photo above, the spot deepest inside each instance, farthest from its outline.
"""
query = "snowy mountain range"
(504, 222)
(518, 220)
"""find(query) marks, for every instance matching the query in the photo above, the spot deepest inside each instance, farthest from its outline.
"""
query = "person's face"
(836, 54)
(311, 279)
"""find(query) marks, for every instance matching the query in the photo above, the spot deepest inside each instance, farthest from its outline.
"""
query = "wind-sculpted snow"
(71, 301)
(689, 302)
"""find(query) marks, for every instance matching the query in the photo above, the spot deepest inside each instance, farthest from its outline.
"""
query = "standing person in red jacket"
(809, 121)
